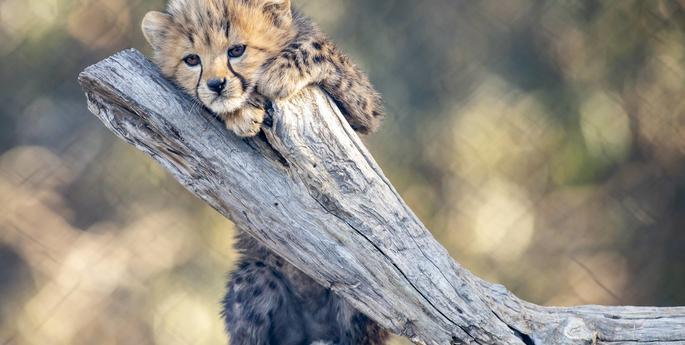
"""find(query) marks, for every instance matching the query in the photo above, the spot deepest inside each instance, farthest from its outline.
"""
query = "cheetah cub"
(234, 56)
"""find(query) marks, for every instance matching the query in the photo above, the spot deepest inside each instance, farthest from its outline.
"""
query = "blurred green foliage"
(543, 143)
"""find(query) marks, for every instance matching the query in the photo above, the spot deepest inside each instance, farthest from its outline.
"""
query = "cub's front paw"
(280, 84)
(245, 122)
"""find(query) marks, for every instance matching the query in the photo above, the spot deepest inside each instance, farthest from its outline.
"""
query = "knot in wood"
(575, 329)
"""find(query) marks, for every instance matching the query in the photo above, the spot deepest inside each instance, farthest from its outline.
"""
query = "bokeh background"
(543, 143)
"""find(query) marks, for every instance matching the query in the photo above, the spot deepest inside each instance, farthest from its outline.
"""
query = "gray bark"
(310, 191)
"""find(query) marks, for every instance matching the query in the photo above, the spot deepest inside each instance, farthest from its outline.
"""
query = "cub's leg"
(260, 309)
(315, 60)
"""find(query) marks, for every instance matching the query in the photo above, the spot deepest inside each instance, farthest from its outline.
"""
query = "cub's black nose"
(216, 85)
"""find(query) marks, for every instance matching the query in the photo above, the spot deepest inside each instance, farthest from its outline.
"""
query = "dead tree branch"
(310, 191)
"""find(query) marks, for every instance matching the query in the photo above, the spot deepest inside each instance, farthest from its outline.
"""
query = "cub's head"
(214, 48)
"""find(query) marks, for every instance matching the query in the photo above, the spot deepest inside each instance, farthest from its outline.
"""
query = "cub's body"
(233, 56)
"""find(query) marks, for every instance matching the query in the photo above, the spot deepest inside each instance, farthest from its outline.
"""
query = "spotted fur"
(268, 302)
(285, 52)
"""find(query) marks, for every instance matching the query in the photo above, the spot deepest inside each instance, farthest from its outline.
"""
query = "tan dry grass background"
(543, 143)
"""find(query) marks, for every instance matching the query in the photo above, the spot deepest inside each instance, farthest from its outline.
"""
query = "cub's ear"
(277, 8)
(155, 27)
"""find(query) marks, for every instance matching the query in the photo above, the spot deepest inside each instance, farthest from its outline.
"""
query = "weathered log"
(310, 191)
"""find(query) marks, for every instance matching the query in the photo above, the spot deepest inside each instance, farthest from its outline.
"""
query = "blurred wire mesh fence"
(543, 143)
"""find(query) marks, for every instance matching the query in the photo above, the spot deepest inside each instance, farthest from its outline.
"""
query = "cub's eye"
(236, 51)
(192, 60)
